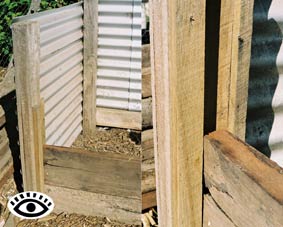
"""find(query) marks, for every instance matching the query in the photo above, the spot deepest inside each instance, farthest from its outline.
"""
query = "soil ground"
(72, 220)
(112, 140)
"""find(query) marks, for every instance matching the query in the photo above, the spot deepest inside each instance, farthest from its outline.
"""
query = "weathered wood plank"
(114, 207)
(147, 113)
(146, 82)
(119, 118)
(6, 171)
(146, 56)
(245, 184)
(104, 173)
(212, 214)
(177, 59)
(147, 145)
(27, 60)
(90, 65)
(149, 200)
(234, 61)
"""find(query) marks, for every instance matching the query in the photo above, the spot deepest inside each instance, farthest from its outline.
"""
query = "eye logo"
(31, 205)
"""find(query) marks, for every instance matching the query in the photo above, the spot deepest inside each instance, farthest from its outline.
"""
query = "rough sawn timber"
(244, 183)
(236, 22)
(177, 61)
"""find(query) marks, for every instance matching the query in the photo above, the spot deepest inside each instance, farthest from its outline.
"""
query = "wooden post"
(26, 44)
(234, 63)
(90, 65)
(177, 38)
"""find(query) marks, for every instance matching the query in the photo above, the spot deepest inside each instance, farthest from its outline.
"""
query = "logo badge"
(31, 205)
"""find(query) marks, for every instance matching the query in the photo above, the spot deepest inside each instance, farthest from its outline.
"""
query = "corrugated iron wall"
(264, 119)
(119, 55)
(61, 56)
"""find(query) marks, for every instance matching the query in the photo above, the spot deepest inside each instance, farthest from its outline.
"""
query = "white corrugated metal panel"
(61, 33)
(265, 101)
(119, 55)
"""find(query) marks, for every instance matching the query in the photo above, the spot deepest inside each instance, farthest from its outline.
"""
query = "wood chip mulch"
(72, 220)
(112, 140)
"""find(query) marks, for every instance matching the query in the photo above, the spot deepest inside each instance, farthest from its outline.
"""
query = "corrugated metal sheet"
(61, 33)
(265, 103)
(119, 55)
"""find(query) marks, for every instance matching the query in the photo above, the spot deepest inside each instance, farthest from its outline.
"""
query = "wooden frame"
(90, 65)
(177, 54)
(72, 172)
(26, 57)
(234, 62)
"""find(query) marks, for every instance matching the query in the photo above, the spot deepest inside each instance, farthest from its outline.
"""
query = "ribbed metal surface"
(61, 33)
(265, 103)
(119, 55)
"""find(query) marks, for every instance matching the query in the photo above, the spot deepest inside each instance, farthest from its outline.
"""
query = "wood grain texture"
(146, 82)
(26, 42)
(147, 113)
(149, 200)
(177, 61)
(104, 173)
(119, 118)
(213, 215)
(234, 61)
(81, 202)
(245, 184)
(90, 65)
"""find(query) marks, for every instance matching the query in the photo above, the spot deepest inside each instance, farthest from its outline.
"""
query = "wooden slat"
(146, 82)
(81, 202)
(246, 185)
(6, 172)
(149, 200)
(234, 62)
(104, 173)
(147, 113)
(212, 214)
(177, 53)
(147, 144)
(26, 58)
(118, 118)
(90, 65)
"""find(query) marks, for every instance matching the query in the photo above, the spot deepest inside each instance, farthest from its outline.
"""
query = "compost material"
(72, 220)
(111, 140)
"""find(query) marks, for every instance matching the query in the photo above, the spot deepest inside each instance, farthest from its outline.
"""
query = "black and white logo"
(31, 205)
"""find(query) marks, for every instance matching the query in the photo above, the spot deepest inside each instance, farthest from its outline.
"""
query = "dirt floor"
(112, 140)
(72, 220)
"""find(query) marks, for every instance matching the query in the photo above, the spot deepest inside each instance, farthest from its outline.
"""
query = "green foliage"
(9, 9)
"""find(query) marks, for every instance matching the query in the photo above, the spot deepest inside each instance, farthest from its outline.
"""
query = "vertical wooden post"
(26, 45)
(178, 43)
(236, 21)
(90, 65)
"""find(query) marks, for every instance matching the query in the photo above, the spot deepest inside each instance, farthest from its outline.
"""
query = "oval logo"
(31, 205)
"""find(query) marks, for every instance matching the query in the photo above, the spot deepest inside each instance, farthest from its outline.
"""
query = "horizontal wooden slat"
(105, 173)
(246, 185)
(149, 200)
(118, 118)
(87, 203)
